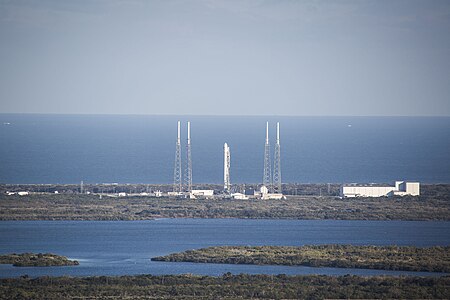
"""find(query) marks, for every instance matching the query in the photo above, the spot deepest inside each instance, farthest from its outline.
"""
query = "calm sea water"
(121, 247)
(140, 149)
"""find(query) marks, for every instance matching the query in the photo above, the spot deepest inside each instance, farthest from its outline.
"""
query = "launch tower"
(267, 178)
(277, 163)
(188, 174)
(226, 167)
(177, 184)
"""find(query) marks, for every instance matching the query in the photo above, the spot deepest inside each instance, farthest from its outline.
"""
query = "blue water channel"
(125, 247)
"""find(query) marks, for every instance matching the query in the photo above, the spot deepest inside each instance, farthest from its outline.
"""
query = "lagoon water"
(125, 247)
(141, 149)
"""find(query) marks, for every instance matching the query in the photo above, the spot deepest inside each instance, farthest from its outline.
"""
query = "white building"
(174, 194)
(273, 196)
(401, 188)
(239, 196)
(201, 193)
(265, 195)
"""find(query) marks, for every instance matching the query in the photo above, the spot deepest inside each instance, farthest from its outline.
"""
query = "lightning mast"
(188, 174)
(277, 163)
(267, 178)
(177, 184)
(226, 167)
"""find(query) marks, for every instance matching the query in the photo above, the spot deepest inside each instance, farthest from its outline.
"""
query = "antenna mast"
(277, 163)
(267, 178)
(188, 174)
(177, 184)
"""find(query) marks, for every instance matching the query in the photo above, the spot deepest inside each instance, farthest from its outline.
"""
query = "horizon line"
(222, 115)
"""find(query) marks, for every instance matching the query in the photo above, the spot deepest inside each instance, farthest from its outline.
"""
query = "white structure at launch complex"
(271, 187)
(226, 168)
(177, 175)
(401, 188)
(188, 174)
(183, 186)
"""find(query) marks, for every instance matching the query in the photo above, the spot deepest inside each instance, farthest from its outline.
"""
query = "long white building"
(401, 188)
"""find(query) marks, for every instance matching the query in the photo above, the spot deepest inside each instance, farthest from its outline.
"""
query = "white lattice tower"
(277, 163)
(188, 174)
(177, 183)
(267, 178)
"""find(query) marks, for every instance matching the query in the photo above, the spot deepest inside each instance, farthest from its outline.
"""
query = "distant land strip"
(400, 258)
(68, 204)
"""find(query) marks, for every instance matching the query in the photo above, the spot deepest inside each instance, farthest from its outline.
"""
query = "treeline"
(404, 258)
(36, 260)
(225, 287)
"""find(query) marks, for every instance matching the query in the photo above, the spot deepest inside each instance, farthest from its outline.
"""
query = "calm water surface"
(125, 247)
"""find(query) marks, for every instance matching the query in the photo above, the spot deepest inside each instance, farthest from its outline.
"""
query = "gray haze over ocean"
(221, 57)
(140, 149)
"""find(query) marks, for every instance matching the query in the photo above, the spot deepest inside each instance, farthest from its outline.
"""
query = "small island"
(400, 258)
(36, 260)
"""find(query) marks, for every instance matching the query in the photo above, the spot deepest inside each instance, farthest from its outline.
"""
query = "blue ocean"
(141, 149)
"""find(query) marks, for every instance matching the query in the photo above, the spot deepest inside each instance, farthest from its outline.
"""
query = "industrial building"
(239, 196)
(264, 194)
(401, 188)
(194, 194)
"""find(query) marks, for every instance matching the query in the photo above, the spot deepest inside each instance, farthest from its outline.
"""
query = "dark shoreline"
(227, 286)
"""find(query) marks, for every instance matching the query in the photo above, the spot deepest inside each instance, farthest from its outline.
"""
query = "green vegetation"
(36, 260)
(225, 287)
(405, 258)
(434, 204)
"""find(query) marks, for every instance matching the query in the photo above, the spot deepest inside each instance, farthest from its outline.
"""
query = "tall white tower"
(277, 163)
(267, 178)
(188, 174)
(177, 184)
(226, 167)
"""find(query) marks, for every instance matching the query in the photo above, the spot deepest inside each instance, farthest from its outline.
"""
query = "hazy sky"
(256, 57)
